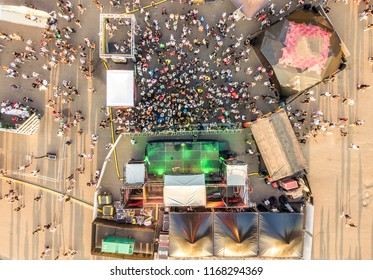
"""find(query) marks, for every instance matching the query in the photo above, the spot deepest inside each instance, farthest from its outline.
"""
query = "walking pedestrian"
(351, 225)
(81, 8)
(362, 87)
(354, 146)
(37, 198)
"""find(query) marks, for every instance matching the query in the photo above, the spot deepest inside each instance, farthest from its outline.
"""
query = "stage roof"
(278, 146)
(191, 235)
(120, 88)
(302, 49)
(235, 234)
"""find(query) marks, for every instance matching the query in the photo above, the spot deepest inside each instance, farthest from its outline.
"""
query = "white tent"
(17, 14)
(184, 190)
(120, 88)
(236, 174)
(135, 173)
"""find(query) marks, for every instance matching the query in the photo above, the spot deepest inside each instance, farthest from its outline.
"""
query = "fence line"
(179, 133)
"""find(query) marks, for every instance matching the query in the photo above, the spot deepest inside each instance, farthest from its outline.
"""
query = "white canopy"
(16, 14)
(236, 175)
(135, 173)
(184, 190)
(120, 88)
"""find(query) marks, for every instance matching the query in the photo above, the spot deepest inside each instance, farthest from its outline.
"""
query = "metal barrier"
(29, 127)
(180, 133)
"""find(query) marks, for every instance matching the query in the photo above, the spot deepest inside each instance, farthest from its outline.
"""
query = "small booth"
(117, 43)
(234, 192)
(133, 189)
(120, 88)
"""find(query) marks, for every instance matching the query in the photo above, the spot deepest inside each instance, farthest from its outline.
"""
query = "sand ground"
(341, 179)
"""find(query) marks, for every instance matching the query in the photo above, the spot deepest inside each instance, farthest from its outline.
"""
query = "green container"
(119, 245)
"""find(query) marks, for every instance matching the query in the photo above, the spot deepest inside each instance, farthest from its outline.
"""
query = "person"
(77, 22)
(362, 87)
(14, 86)
(53, 228)
(368, 27)
(19, 208)
(81, 9)
(47, 226)
(133, 142)
(27, 99)
(344, 133)
(351, 225)
(37, 230)
(354, 146)
(23, 167)
(108, 146)
(359, 122)
(44, 253)
(35, 172)
(347, 216)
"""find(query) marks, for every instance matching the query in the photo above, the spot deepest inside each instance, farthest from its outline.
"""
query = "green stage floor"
(183, 158)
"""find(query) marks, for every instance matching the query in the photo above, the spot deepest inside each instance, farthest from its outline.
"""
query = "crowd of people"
(309, 125)
(187, 75)
(16, 111)
(54, 49)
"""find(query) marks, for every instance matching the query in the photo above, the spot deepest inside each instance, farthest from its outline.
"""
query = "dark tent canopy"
(191, 235)
(235, 234)
(281, 235)
(303, 49)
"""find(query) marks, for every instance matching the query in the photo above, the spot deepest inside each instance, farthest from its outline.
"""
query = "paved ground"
(340, 178)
